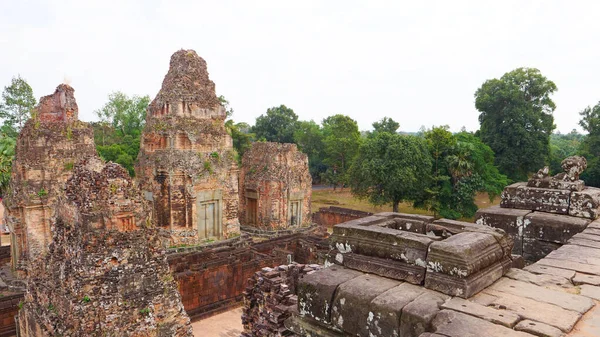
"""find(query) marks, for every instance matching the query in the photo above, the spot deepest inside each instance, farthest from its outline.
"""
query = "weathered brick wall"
(186, 161)
(4, 255)
(331, 216)
(275, 187)
(215, 279)
(9, 306)
(49, 145)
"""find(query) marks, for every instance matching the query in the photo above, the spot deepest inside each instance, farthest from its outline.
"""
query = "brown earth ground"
(226, 324)
(343, 198)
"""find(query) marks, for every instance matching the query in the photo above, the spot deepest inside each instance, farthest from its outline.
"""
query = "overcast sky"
(419, 62)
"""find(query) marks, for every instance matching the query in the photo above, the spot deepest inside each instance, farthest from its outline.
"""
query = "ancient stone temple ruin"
(186, 164)
(275, 187)
(413, 276)
(104, 274)
(48, 147)
(546, 212)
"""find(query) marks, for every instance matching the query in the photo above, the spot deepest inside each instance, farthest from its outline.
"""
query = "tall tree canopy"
(462, 166)
(516, 120)
(386, 124)
(390, 168)
(309, 138)
(7, 153)
(277, 125)
(341, 140)
(16, 106)
(240, 132)
(117, 135)
(590, 147)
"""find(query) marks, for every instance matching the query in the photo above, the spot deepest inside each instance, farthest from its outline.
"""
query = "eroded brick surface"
(186, 165)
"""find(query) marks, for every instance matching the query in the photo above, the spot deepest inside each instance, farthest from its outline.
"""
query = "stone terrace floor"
(556, 295)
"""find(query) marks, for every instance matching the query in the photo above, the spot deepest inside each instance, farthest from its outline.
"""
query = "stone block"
(538, 329)
(351, 305)
(416, 316)
(454, 227)
(537, 293)
(585, 203)
(520, 196)
(552, 227)
(542, 269)
(381, 242)
(397, 270)
(577, 185)
(586, 279)
(413, 223)
(534, 250)
(315, 291)
(502, 317)
(455, 324)
(542, 280)
(463, 254)
(508, 219)
(386, 310)
(469, 286)
(532, 309)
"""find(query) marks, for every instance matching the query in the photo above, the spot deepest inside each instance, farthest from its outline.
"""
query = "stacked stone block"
(544, 213)
(270, 297)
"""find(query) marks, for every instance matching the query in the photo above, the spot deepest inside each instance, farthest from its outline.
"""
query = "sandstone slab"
(469, 286)
(570, 265)
(561, 299)
(455, 324)
(519, 195)
(534, 310)
(544, 269)
(315, 291)
(586, 279)
(386, 310)
(351, 304)
(542, 280)
(538, 329)
(397, 270)
(590, 291)
(585, 203)
(552, 227)
(502, 317)
(508, 219)
(416, 316)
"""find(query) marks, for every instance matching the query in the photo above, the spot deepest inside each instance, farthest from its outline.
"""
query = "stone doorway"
(295, 213)
(208, 220)
(251, 211)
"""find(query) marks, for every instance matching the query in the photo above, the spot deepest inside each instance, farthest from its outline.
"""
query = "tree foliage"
(462, 166)
(386, 124)
(7, 153)
(117, 134)
(390, 168)
(16, 106)
(563, 146)
(516, 120)
(309, 138)
(590, 146)
(341, 141)
(277, 125)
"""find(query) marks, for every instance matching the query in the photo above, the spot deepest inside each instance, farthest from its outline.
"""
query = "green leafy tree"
(386, 124)
(390, 168)
(309, 138)
(16, 106)
(240, 132)
(341, 140)
(563, 146)
(118, 132)
(7, 153)
(590, 147)
(516, 120)
(463, 166)
(277, 125)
